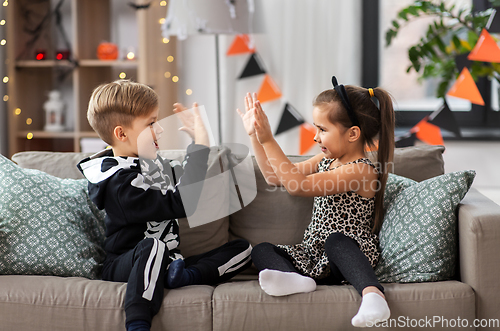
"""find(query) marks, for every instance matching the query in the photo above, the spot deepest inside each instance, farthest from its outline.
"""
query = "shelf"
(47, 134)
(108, 63)
(43, 63)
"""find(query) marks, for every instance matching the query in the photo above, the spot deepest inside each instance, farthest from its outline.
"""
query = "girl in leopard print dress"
(340, 244)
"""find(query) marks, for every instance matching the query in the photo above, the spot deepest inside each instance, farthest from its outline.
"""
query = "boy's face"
(143, 135)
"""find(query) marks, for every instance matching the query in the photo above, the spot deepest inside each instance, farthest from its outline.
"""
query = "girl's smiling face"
(332, 138)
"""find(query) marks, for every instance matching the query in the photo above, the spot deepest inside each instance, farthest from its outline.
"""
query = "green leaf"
(395, 24)
(456, 42)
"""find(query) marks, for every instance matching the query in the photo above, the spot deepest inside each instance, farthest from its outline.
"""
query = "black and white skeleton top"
(141, 197)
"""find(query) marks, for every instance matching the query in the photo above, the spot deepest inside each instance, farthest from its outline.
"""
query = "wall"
(3, 104)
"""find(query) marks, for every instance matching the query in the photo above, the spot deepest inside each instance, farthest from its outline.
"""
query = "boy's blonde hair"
(119, 103)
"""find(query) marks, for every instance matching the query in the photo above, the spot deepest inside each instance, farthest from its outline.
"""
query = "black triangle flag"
(461, 61)
(254, 67)
(445, 119)
(290, 119)
(407, 140)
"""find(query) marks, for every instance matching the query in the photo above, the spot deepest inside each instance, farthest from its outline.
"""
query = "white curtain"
(301, 45)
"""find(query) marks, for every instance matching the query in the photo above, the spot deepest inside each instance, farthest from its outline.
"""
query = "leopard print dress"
(348, 213)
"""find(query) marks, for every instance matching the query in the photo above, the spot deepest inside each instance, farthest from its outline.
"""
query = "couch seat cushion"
(56, 303)
(244, 306)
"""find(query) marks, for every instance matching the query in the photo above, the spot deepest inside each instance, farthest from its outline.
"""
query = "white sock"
(279, 283)
(373, 309)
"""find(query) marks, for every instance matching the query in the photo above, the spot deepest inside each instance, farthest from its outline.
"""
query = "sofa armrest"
(479, 245)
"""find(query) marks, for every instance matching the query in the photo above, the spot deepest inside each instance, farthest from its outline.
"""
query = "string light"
(162, 20)
(163, 3)
(5, 79)
(130, 55)
(17, 111)
(2, 22)
(170, 58)
(175, 79)
(167, 74)
(29, 121)
(3, 42)
(29, 135)
(5, 3)
(166, 40)
(189, 91)
(5, 97)
(122, 75)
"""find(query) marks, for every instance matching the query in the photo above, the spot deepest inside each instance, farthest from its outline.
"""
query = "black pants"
(145, 269)
(347, 262)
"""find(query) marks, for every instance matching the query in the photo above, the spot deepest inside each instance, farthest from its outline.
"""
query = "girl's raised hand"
(248, 116)
(261, 124)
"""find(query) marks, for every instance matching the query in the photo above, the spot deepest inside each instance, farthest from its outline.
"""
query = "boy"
(142, 230)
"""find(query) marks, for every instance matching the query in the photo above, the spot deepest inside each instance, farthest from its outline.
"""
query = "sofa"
(470, 299)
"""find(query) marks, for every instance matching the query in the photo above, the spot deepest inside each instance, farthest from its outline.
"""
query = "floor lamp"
(209, 17)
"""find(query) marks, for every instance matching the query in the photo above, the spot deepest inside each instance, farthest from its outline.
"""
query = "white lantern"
(54, 112)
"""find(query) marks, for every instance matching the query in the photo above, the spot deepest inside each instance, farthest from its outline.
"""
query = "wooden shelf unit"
(30, 80)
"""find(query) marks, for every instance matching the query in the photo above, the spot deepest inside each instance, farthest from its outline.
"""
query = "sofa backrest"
(274, 216)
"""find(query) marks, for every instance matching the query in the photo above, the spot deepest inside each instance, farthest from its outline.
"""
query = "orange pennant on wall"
(428, 133)
(240, 45)
(307, 133)
(486, 49)
(466, 88)
(268, 90)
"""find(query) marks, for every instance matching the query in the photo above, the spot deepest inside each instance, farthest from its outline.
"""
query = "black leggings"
(347, 262)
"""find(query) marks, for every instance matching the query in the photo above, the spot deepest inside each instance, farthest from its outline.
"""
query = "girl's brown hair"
(375, 122)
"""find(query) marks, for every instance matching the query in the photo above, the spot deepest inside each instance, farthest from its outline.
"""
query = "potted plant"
(452, 35)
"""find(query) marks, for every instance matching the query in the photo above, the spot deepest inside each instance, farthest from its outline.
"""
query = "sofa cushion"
(416, 162)
(418, 239)
(48, 225)
(244, 306)
(74, 303)
(394, 186)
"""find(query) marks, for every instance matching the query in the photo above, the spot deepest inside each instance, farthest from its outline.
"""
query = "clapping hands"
(255, 119)
(192, 123)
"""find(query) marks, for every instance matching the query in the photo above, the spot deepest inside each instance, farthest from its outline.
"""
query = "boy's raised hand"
(248, 116)
(192, 123)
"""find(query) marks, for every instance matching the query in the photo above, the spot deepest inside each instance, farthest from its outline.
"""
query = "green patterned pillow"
(418, 239)
(395, 185)
(48, 225)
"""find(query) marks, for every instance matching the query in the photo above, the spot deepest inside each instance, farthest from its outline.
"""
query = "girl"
(340, 243)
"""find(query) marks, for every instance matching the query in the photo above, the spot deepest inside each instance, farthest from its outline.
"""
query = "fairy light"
(175, 79)
(170, 58)
(17, 111)
(5, 3)
(5, 97)
(122, 75)
(3, 42)
(5, 79)
(163, 3)
(2, 22)
(162, 20)
(167, 74)
(166, 40)
(29, 121)
(130, 55)
(29, 135)
(189, 91)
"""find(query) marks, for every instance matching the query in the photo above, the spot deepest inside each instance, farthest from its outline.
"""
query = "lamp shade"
(189, 17)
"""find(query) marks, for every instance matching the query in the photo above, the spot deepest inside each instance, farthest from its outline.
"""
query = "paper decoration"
(445, 119)
(465, 88)
(240, 45)
(486, 49)
(290, 119)
(462, 61)
(407, 140)
(268, 90)
(307, 133)
(428, 133)
(254, 67)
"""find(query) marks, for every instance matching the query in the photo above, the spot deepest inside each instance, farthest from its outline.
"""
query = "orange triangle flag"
(268, 90)
(307, 133)
(466, 88)
(428, 133)
(240, 45)
(486, 49)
